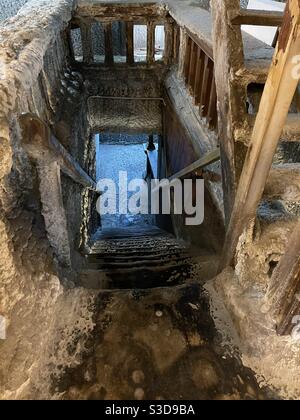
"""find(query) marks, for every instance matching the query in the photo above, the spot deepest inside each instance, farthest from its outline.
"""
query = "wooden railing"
(84, 39)
(199, 78)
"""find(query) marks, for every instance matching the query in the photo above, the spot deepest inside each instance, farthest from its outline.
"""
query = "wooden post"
(168, 43)
(129, 43)
(284, 285)
(212, 107)
(228, 59)
(187, 58)
(274, 107)
(183, 39)
(150, 42)
(206, 87)
(192, 67)
(109, 56)
(199, 76)
(86, 39)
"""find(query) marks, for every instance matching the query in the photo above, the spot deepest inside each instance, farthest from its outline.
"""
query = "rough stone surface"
(155, 344)
(9, 8)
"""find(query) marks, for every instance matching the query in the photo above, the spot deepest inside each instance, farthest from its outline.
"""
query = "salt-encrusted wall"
(29, 284)
(9, 8)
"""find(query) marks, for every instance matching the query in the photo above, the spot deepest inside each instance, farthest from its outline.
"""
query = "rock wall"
(29, 284)
(9, 8)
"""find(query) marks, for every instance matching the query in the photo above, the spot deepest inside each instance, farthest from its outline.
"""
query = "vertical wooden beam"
(182, 52)
(199, 76)
(150, 42)
(206, 86)
(273, 110)
(212, 107)
(168, 43)
(229, 59)
(192, 67)
(207, 91)
(109, 57)
(187, 58)
(129, 43)
(86, 39)
(176, 42)
(284, 285)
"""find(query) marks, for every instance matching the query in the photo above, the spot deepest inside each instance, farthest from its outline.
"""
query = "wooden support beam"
(285, 284)
(274, 107)
(257, 17)
(109, 55)
(129, 43)
(228, 61)
(150, 42)
(86, 39)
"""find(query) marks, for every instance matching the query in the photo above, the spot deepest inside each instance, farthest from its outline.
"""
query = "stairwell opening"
(124, 155)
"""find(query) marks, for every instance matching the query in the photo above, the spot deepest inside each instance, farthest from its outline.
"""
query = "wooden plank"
(150, 42)
(257, 17)
(192, 67)
(212, 114)
(199, 77)
(285, 283)
(109, 55)
(274, 107)
(129, 43)
(206, 89)
(187, 58)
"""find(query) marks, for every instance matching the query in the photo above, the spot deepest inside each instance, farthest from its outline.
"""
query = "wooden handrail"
(40, 144)
(209, 158)
(257, 17)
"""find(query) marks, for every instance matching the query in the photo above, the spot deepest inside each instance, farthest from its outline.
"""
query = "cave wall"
(32, 61)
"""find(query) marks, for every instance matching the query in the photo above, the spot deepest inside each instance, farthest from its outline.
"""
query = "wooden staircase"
(138, 257)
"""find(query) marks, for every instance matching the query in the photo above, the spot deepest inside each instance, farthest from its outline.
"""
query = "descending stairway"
(138, 257)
